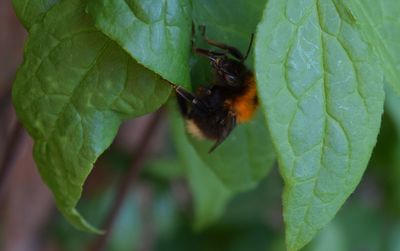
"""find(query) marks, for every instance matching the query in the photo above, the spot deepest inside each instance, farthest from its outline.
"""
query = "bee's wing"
(229, 124)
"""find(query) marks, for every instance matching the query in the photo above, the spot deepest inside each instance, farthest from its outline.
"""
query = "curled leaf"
(72, 92)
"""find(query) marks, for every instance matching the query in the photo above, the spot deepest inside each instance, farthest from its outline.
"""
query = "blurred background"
(153, 209)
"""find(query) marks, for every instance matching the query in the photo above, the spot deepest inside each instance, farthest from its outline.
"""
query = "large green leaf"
(322, 92)
(72, 92)
(247, 154)
(155, 33)
(30, 12)
(380, 23)
(209, 193)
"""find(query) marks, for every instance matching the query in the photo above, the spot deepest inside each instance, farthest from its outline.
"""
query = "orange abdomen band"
(246, 105)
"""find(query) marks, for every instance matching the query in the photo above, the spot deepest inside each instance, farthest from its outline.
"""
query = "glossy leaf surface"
(155, 33)
(321, 89)
(72, 92)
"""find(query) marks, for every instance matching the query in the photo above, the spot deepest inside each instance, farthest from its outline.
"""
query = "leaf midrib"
(70, 97)
(326, 109)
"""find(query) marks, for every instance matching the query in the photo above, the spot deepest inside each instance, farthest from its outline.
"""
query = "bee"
(213, 111)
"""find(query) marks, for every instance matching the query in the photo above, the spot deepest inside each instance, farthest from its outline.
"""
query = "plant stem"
(100, 243)
(9, 156)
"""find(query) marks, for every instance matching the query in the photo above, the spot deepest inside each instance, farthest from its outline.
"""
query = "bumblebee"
(212, 112)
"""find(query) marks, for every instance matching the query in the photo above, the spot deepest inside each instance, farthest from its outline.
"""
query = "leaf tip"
(76, 219)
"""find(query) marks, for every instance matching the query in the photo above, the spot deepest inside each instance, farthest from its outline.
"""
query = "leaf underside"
(72, 92)
(322, 93)
(155, 33)
(30, 12)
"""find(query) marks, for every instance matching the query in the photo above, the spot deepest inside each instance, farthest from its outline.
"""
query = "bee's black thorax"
(212, 112)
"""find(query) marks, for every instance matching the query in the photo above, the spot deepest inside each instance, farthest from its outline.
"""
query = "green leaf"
(394, 241)
(392, 106)
(386, 155)
(380, 23)
(243, 159)
(30, 12)
(229, 21)
(72, 92)
(247, 155)
(322, 93)
(360, 223)
(331, 238)
(155, 33)
(210, 195)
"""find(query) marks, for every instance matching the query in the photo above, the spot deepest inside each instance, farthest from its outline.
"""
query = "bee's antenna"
(249, 48)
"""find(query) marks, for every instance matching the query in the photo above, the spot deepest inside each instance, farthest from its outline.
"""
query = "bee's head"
(229, 71)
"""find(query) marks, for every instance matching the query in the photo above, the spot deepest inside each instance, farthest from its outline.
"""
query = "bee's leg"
(230, 49)
(203, 91)
(185, 97)
(183, 106)
(228, 124)
(211, 55)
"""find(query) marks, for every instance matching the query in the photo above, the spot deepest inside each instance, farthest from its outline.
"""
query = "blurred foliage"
(252, 221)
